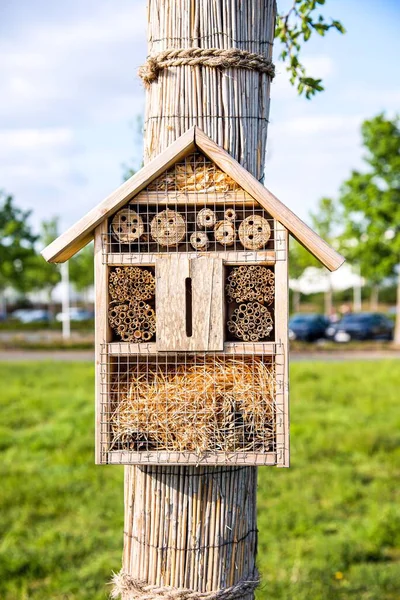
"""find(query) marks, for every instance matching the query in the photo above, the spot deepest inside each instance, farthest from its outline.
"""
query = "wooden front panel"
(189, 303)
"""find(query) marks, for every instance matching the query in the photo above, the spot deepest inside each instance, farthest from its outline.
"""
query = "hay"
(127, 226)
(195, 174)
(211, 404)
(254, 232)
(224, 233)
(199, 240)
(168, 228)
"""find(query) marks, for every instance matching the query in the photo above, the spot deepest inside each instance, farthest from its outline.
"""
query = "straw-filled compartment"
(197, 404)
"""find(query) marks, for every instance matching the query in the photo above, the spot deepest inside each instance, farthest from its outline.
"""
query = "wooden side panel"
(102, 336)
(233, 459)
(233, 257)
(192, 198)
(207, 306)
(171, 273)
(282, 355)
(208, 303)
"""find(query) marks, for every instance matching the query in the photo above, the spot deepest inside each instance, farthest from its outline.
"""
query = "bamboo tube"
(200, 530)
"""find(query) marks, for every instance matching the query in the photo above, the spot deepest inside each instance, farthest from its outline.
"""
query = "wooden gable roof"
(82, 232)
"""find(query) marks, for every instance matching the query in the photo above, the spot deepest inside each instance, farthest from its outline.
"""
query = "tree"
(16, 245)
(295, 27)
(371, 205)
(325, 221)
(41, 275)
(81, 271)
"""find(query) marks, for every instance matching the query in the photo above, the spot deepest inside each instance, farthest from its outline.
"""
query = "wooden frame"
(229, 257)
(107, 350)
(278, 350)
(102, 335)
(232, 459)
(282, 341)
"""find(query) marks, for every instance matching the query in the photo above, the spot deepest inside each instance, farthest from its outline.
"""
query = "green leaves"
(292, 30)
(16, 243)
(81, 270)
(371, 202)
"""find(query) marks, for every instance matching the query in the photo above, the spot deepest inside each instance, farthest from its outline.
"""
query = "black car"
(307, 327)
(361, 326)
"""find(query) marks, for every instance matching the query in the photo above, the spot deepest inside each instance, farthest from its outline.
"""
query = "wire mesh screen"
(193, 207)
(191, 408)
(249, 292)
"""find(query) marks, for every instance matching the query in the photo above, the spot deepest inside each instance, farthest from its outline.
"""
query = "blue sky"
(69, 96)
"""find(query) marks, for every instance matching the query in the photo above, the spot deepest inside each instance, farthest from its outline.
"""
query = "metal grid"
(193, 207)
(192, 408)
(249, 292)
(249, 303)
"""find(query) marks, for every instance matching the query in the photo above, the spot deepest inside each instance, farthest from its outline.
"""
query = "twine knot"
(215, 58)
(126, 587)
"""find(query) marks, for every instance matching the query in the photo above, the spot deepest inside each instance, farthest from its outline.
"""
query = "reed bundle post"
(194, 528)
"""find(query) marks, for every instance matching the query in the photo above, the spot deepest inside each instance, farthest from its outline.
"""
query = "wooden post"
(195, 527)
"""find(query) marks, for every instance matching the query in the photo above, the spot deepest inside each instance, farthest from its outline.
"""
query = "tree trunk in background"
(3, 304)
(328, 296)
(296, 301)
(232, 107)
(397, 326)
(374, 298)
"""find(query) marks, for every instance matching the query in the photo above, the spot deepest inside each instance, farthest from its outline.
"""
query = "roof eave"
(308, 238)
(82, 232)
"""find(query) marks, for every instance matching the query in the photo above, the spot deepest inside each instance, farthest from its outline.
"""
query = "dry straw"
(211, 404)
(127, 226)
(168, 228)
(195, 174)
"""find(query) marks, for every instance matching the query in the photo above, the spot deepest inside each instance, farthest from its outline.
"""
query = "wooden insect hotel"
(191, 275)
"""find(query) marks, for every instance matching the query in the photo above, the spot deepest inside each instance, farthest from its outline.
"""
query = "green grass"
(329, 526)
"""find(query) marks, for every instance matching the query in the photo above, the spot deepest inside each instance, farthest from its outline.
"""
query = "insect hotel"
(191, 276)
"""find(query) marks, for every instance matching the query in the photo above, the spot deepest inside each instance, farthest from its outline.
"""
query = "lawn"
(329, 526)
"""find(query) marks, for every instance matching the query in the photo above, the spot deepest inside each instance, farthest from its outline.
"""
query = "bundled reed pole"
(231, 105)
(190, 532)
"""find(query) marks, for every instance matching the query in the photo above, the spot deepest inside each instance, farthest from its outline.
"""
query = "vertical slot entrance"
(188, 307)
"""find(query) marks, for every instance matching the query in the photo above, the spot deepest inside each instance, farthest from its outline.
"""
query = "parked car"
(307, 327)
(31, 315)
(361, 326)
(76, 314)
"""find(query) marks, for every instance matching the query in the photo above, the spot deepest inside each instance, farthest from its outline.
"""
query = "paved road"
(57, 355)
(85, 355)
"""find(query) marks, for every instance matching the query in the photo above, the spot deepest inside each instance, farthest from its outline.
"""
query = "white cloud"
(33, 139)
(69, 70)
(331, 124)
(319, 66)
